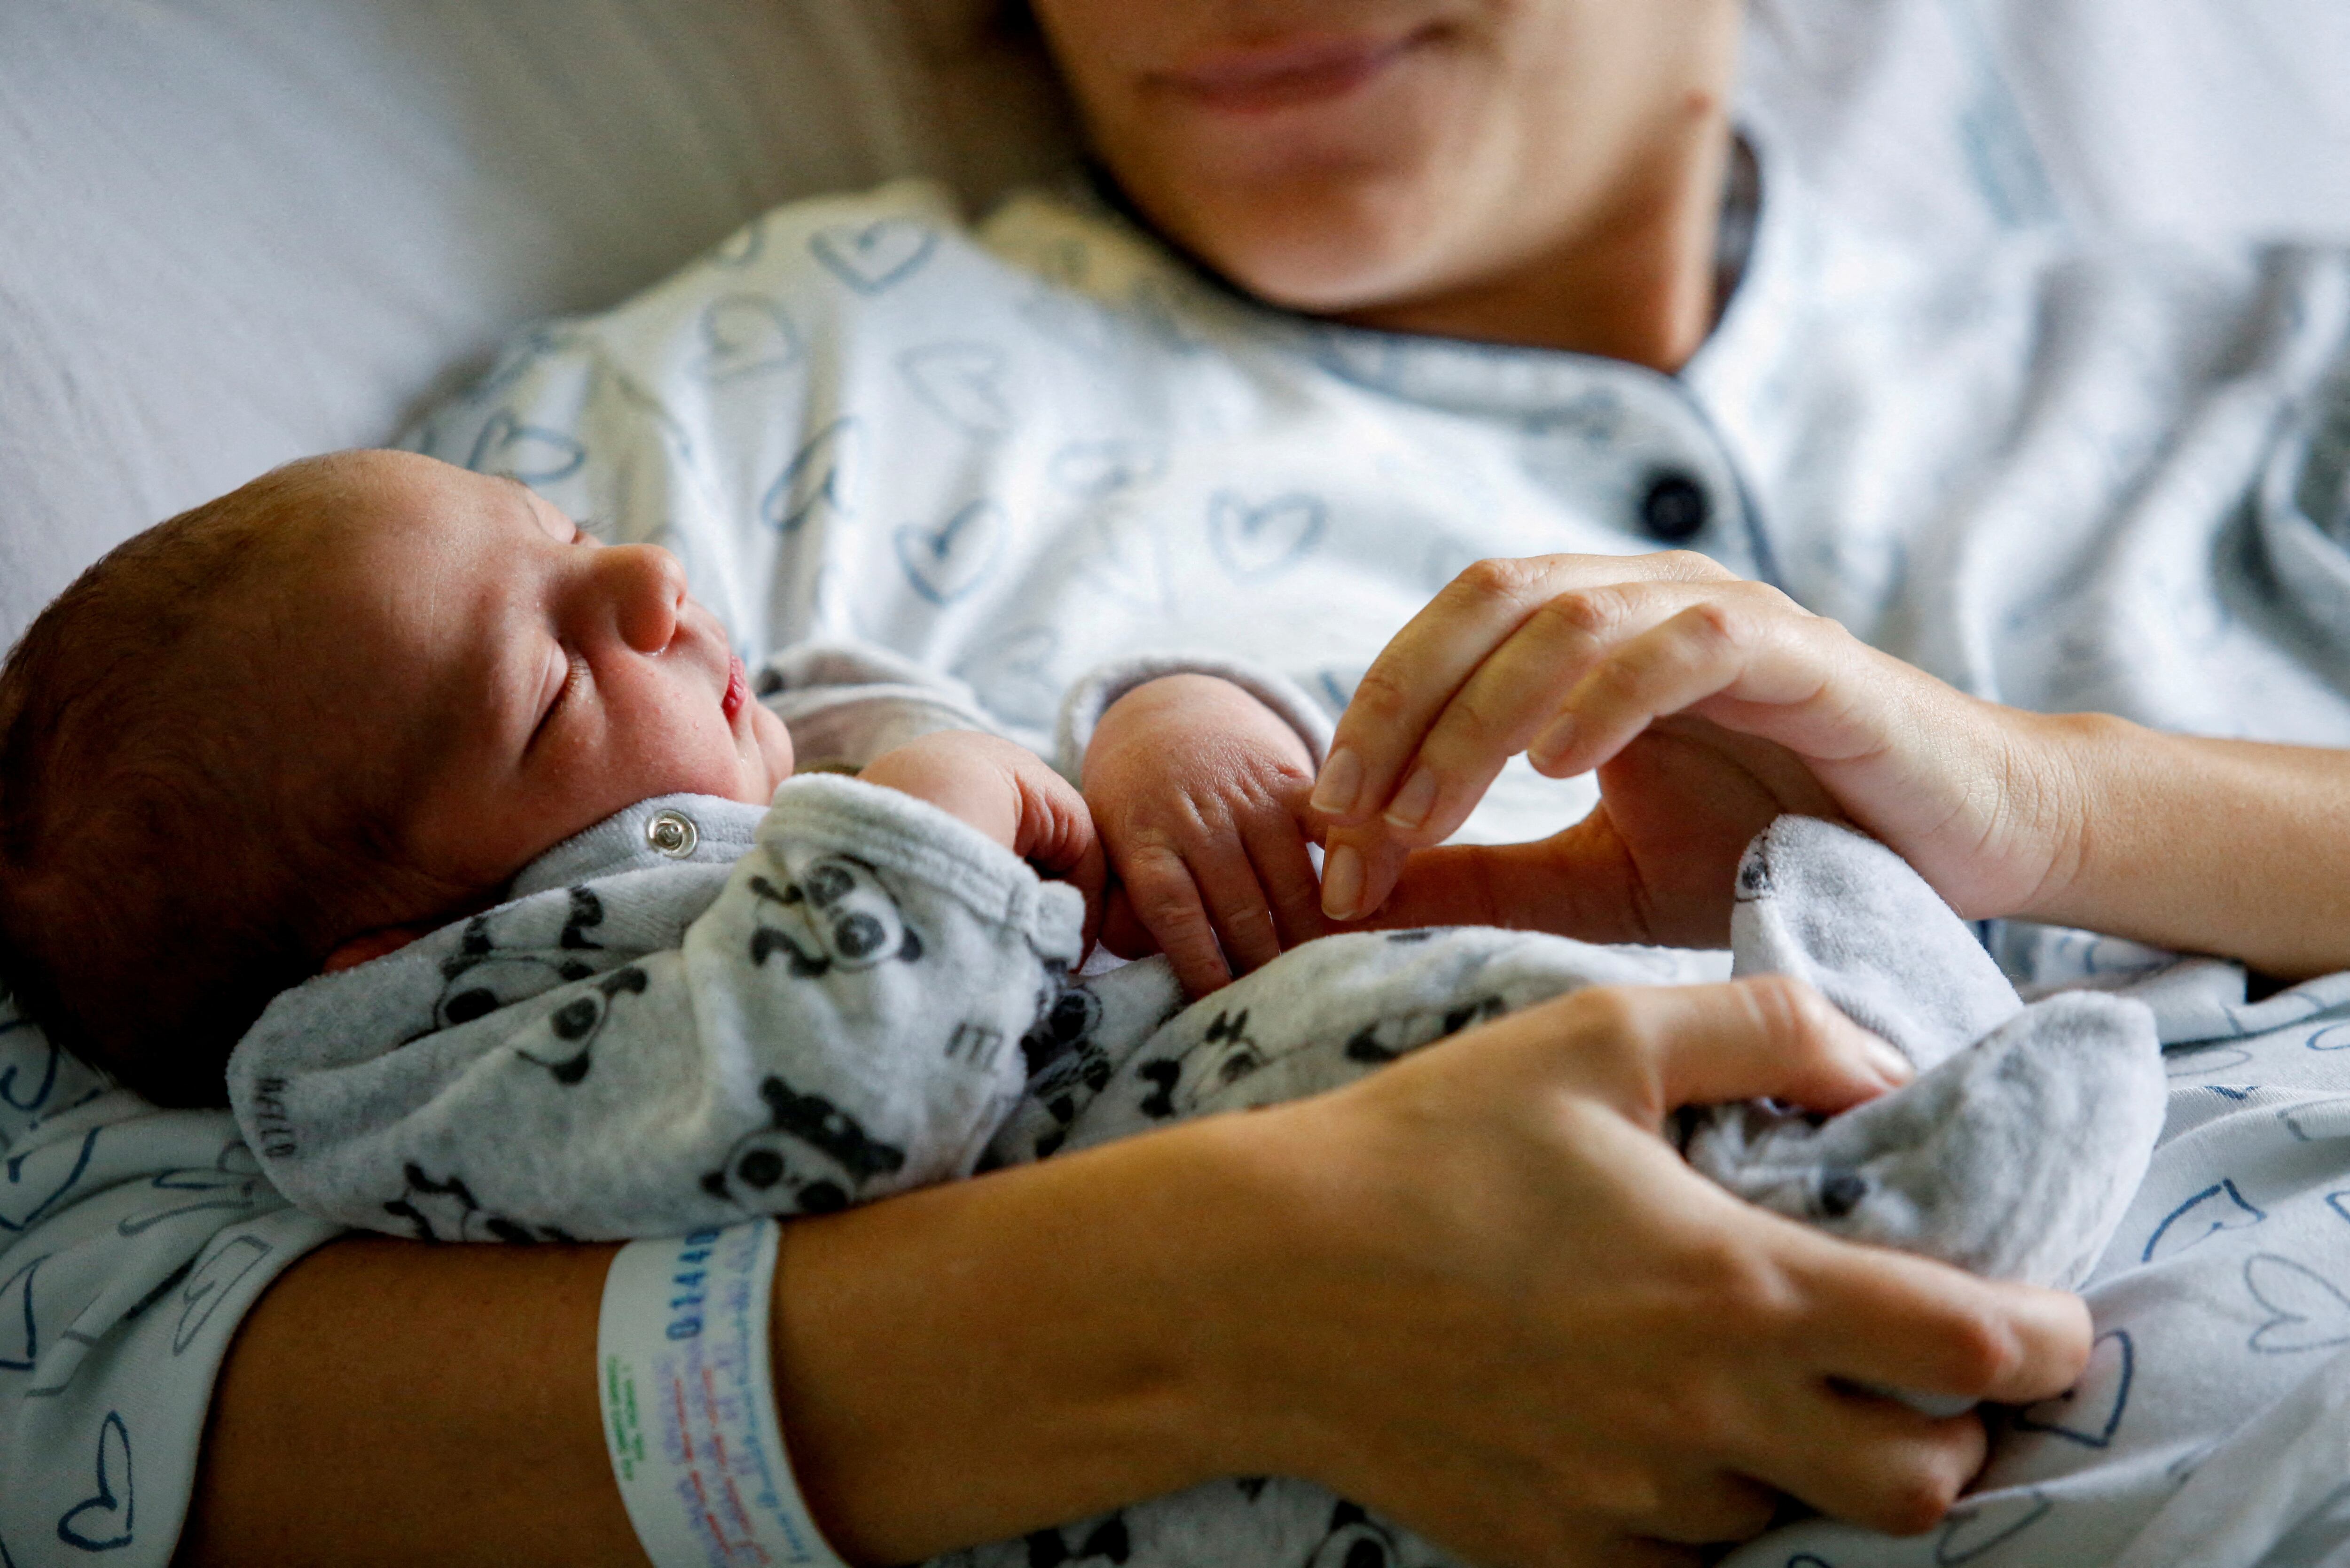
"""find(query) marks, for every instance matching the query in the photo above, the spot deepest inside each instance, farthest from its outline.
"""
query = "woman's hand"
(1708, 704)
(1007, 792)
(1497, 1305)
(1198, 792)
(1474, 1290)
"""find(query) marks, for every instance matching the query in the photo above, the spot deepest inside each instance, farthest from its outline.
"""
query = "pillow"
(226, 241)
(235, 234)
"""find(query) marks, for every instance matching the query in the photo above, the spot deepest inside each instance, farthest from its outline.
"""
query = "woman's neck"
(1636, 283)
(1639, 283)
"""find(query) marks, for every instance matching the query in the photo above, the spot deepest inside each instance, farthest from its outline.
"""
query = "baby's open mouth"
(738, 689)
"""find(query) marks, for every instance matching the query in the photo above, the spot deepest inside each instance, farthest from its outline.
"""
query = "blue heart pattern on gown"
(870, 257)
(1131, 567)
(963, 383)
(2306, 1312)
(946, 562)
(20, 1337)
(741, 247)
(1972, 1532)
(745, 335)
(1260, 539)
(1015, 677)
(31, 1183)
(817, 477)
(531, 453)
(211, 1283)
(22, 1086)
(104, 1521)
(1097, 468)
(2205, 1215)
(2090, 1411)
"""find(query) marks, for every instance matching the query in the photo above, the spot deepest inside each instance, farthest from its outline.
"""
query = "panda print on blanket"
(814, 1158)
(509, 955)
(837, 915)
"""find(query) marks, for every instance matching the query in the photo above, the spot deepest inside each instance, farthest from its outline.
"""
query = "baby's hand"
(1007, 792)
(1200, 793)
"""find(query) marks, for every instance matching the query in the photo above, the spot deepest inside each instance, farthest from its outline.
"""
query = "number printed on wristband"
(689, 1403)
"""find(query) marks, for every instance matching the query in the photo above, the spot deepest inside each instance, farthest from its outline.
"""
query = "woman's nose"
(643, 587)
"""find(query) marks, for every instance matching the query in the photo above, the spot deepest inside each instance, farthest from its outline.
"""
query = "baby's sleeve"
(844, 1021)
(1092, 695)
(847, 702)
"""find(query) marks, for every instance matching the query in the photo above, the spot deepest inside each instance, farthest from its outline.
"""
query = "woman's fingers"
(1359, 867)
(1890, 1320)
(1417, 674)
(1277, 851)
(1869, 1459)
(1714, 1509)
(1650, 1050)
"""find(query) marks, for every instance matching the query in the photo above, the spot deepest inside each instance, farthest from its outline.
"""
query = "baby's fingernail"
(1342, 881)
(1891, 1064)
(1412, 803)
(1341, 782)
(1554, 740)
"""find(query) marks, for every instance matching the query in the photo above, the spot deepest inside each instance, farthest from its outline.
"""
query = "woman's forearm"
(1474, 1290)
(952, 1366)
(969, 1363)
(2229, 846)
(392, 1402)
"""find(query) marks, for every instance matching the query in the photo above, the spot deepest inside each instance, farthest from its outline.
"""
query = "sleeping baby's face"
(529, 680)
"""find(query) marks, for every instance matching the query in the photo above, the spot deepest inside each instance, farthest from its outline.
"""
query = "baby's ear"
(369, 945)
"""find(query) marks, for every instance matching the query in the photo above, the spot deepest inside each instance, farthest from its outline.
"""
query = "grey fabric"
(2018, 1148)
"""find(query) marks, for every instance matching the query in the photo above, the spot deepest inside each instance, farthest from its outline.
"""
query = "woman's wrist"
(969, 1363)
(2235, 847)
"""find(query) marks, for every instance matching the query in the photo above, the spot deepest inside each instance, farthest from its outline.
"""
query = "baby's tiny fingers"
(1160, 887)
(1238, 907)
(1276, 848)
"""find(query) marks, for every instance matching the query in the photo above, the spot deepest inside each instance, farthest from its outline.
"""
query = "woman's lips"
(1281, 75)
(738, 689)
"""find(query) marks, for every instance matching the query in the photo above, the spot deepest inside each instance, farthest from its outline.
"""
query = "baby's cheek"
(774, 743)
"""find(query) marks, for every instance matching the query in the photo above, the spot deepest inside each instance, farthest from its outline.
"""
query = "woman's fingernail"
(1341, 782)
(1342, 881)
(1554, 740)
(1413, 802)
(1891, 1064)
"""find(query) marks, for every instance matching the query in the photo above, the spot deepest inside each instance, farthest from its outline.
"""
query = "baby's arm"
(1007, 792)
(843, 1021)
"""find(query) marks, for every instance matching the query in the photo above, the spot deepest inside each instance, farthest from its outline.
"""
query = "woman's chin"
(1324, 265)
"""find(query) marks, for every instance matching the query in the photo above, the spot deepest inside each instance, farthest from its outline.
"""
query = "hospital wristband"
(688, 1395)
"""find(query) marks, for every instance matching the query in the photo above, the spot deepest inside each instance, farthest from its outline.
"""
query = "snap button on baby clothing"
(673, 833)
(1675, 508)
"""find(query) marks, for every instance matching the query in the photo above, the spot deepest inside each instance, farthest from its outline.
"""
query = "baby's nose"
(648, 592)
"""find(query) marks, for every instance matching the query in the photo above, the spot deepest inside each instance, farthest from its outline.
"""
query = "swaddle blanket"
(695, 1011)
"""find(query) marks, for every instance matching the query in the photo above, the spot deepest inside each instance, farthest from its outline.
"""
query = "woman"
(1629, 1355)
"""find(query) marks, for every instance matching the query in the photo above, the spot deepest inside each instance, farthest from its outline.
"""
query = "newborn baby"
(595, 965)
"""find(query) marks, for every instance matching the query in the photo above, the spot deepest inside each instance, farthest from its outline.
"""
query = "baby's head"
(298, 724)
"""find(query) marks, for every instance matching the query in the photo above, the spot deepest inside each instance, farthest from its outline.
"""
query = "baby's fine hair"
(159, 879)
